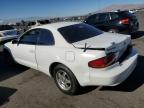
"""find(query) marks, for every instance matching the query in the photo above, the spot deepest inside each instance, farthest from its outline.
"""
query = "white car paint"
(41, 57)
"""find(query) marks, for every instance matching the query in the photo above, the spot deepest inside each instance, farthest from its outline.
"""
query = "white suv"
(75, 54)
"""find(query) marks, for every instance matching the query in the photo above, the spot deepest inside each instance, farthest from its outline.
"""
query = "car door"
(24, 50)
(45, 50)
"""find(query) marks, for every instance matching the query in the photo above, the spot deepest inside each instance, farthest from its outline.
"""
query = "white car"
(7, 33)
(75, 54)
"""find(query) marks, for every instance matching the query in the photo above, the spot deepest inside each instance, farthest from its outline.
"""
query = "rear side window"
(46, 38)
(114, 16)
(79, 32)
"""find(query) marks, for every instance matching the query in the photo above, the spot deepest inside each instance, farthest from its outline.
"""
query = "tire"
(113, 31)
(65, 80)
(8, 59)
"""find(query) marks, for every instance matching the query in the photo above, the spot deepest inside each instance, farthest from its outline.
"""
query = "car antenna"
(85, 47)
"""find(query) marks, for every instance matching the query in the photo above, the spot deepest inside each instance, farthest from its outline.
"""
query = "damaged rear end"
(115, 49)
(101, 58)
(111, 62)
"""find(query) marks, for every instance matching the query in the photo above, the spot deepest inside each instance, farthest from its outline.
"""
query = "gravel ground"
(22, 87)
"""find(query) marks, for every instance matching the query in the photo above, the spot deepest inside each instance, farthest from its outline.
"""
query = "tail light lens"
(125, 21)
(102, 62)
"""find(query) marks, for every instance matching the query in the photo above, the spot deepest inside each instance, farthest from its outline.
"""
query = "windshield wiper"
(85, 48)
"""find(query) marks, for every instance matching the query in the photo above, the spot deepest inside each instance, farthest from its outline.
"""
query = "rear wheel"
(65, 80)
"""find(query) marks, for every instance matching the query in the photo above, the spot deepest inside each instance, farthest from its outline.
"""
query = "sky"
(10, 9)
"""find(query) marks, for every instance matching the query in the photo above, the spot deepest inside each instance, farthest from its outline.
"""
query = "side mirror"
(15, 41)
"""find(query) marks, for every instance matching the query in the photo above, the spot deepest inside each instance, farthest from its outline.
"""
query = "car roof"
(57, 25)
(108, 12)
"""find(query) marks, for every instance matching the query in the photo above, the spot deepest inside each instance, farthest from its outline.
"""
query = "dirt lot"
(21, 87)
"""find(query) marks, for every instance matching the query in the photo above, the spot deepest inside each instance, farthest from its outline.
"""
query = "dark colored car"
(120, 22)
(42, 22)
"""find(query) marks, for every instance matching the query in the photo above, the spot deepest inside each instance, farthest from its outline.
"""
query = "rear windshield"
(126, 14)
(78, 32)
(5, 27)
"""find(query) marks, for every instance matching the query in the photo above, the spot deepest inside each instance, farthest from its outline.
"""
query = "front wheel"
(8, 59)
(65, 80)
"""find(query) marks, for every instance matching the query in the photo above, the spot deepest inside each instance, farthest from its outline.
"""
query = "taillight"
(102, 62)
(125, 21)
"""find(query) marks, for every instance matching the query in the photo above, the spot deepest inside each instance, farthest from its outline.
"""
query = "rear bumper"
(134, 28)
(128, 28)
(115, 74)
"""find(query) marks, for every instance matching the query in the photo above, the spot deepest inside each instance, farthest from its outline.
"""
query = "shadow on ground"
(135, 81)
(7, 71)
(137, 34)
(5, 93)
(84, 90)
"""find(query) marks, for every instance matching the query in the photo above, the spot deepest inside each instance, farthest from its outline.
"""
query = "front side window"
(30, 37)
(103, 17)
(45, 38)
(92, 19)
(79, 32)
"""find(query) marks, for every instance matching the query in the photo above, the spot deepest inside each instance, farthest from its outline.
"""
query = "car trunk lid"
(108, 42)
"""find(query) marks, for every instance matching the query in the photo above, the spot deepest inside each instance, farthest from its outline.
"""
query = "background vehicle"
(75, 54)
(7, 33)
(121, 22)
(32, 24)
(42, 22)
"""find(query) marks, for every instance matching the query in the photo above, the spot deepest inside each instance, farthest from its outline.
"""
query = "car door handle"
(31, 51)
